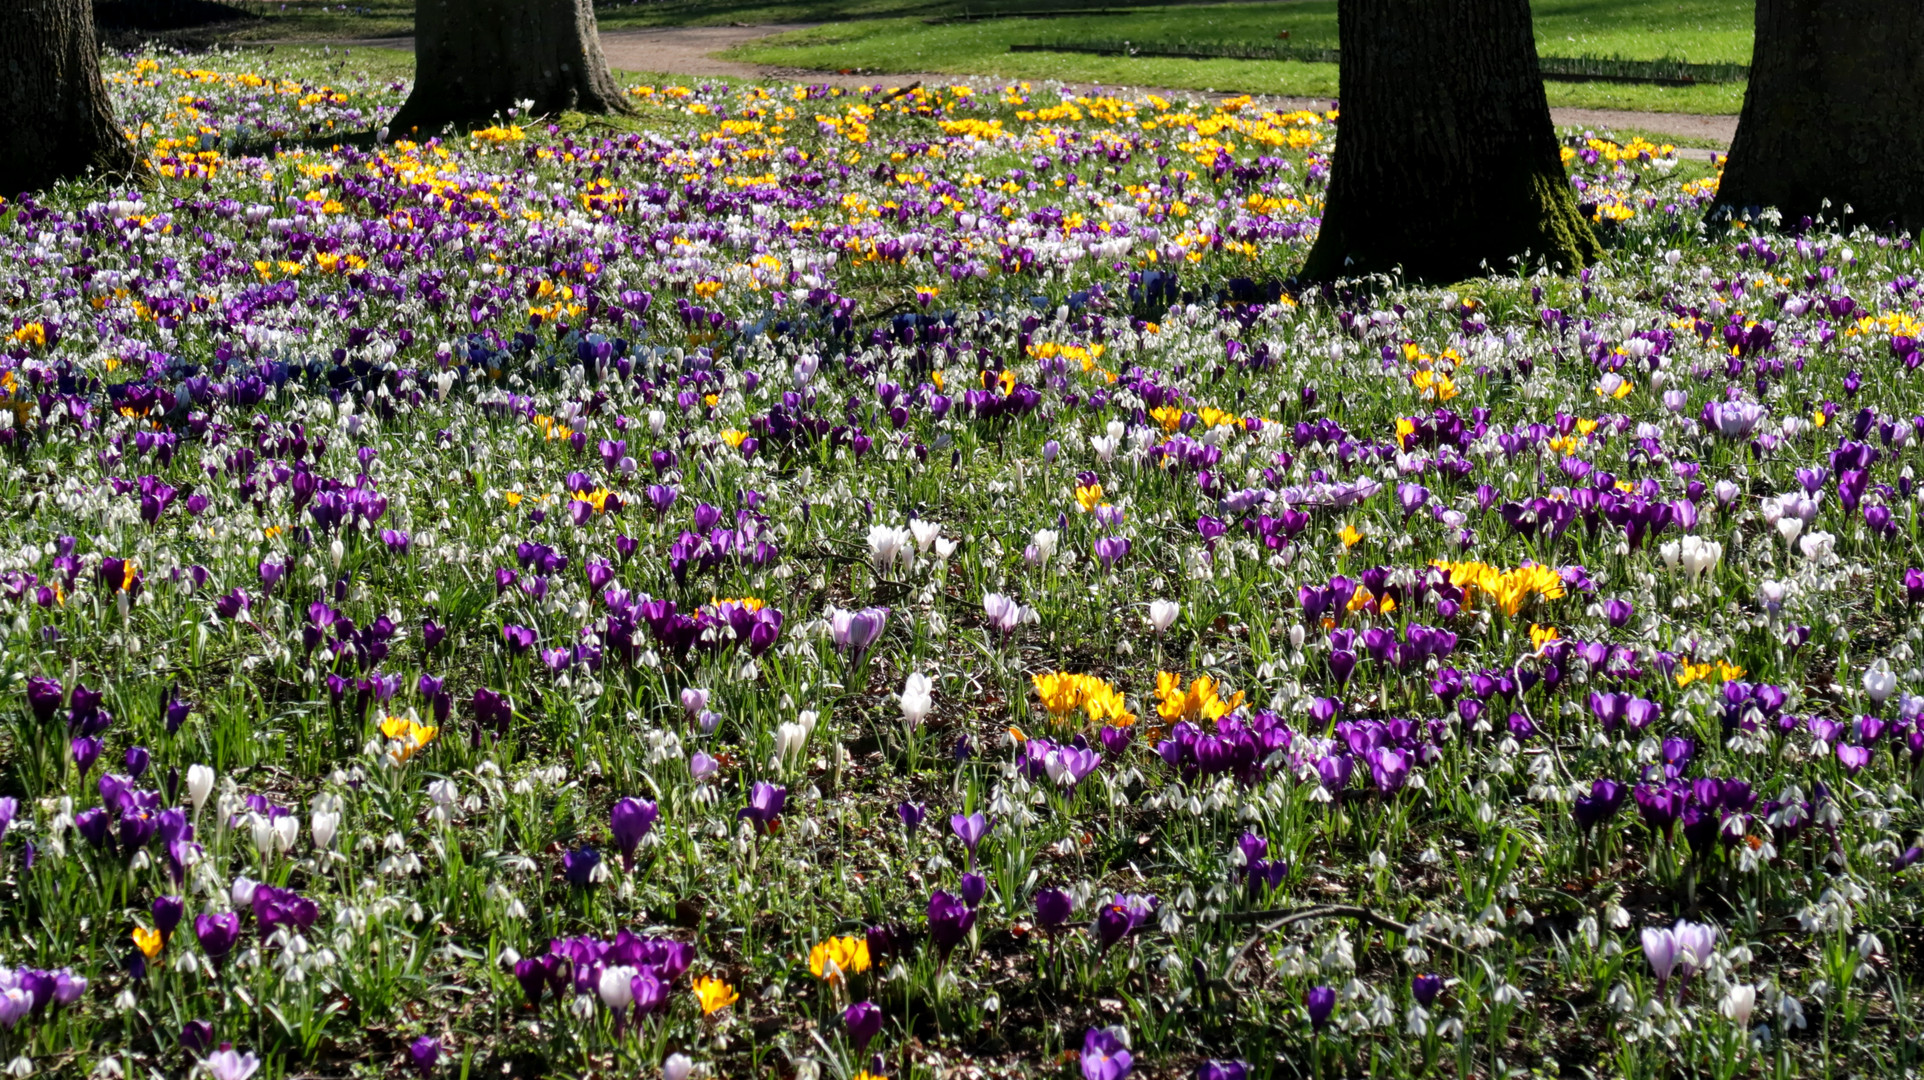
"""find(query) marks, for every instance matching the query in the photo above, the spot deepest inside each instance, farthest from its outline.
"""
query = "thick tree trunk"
(1446, 164)
(474, 58)
(1835, 110)
(55, 119)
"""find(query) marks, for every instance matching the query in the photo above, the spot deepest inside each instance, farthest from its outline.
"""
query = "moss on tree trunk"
(1446, 166)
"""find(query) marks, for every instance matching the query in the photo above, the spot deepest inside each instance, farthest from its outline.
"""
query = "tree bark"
(1446, 166)
(1834, 110)
(55, 120)
(474, 58)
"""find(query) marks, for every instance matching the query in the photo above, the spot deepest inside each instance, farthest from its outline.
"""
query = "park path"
(689, 52)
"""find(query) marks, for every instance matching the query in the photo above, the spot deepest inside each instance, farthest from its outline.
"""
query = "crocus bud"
(200, 784)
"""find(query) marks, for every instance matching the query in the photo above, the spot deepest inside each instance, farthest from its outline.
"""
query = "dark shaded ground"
(181, 23)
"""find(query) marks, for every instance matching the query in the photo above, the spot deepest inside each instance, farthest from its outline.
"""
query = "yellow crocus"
(714, 994)
(839, 956)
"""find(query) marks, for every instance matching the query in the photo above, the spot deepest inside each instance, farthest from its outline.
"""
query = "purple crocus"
(1321, 1001)
(630, 821)
(1052, 908)
(217, 933)
(912, 815)
(1112, 925)
(974, 888)
(950, 920)
(1425, 988)
(177, 713)
(855, 631)
(275, 907)
(579, 866)
(1104, 1057)
(45, 695)
(1605, 799)
(86, 751)
(765, 802)
(1110, 550)
(423, 1053)
(196, 1036)
(863, 1021)
(1222, 1070)
(167, 914)
(970, 830)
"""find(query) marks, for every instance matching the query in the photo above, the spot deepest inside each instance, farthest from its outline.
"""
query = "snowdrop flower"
(1163, 614)
(916, 699)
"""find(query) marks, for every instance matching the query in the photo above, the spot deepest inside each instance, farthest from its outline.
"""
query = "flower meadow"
(857, 584)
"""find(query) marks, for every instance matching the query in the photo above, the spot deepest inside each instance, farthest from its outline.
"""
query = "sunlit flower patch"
(870, 584)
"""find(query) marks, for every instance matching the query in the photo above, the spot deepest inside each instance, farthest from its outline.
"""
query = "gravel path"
(690, 51)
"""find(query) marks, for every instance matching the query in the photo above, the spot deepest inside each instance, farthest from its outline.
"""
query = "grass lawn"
(1703, 31)
(888, 36)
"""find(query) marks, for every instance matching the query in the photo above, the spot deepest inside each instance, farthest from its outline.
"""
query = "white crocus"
(1163, 614)
(889, 545)
(325, 825)
(1880, 682)
(1738, 1004)
(917, 700)
(1042, 547)
(1693, 554)
(617, 987)
(790, 739)
(925, 533)
(200, 784)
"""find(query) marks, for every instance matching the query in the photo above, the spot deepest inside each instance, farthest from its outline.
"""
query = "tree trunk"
(474, 58)
(1834, 110)
(1446, 165)
(55, 120)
